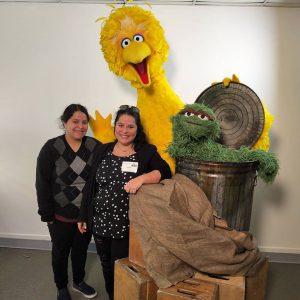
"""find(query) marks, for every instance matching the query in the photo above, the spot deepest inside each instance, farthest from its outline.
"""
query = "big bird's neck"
(158, 103)
(159, 98)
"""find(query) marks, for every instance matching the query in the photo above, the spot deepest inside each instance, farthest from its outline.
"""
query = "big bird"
(134, 47)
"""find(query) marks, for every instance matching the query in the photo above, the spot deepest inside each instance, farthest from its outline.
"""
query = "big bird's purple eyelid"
(139, 34)
(196, 113)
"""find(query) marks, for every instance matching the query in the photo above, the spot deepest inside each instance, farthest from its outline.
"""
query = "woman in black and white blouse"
(119, 168)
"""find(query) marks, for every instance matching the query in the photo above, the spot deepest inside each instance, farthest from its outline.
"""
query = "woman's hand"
(81, 227)
(134, 184)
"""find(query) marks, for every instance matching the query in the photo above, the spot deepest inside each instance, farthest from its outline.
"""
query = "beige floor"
(26, 274)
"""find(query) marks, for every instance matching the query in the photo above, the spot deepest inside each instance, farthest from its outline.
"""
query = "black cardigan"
(148, 159)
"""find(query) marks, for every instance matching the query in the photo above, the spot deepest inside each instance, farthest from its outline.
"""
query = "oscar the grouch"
(196, 131)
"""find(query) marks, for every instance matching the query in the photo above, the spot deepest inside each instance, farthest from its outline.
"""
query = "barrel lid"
(239, 111)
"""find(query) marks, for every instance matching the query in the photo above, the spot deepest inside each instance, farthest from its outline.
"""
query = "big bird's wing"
(102, 128)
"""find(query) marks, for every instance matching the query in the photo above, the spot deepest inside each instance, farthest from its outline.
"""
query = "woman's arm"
(43, 184)
(154, 167)
(134, 184)
(156, 162)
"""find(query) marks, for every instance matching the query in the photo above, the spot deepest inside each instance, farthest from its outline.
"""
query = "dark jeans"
(66, 237)
(110, 250)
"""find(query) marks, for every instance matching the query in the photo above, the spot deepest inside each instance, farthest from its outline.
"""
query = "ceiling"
(269, 3)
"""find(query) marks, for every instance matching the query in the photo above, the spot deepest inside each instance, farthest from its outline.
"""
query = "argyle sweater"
(61, 175)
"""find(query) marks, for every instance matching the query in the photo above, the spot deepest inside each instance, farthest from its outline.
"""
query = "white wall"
(49, 57)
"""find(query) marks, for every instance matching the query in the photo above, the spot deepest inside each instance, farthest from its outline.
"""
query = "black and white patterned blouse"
(111, 201)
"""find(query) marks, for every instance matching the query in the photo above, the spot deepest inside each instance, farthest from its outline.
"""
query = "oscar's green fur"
(196, 131)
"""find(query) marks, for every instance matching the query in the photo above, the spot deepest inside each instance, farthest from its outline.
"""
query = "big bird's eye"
(138, 38)
(125, 42)
(188, 114)
(203, 117)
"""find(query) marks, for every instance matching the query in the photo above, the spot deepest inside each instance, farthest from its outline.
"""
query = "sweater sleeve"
(43, 184)
(156, 162)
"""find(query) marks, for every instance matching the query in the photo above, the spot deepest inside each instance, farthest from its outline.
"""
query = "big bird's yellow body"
(135, 48)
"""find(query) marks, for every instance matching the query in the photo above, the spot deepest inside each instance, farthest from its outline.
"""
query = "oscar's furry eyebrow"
(197, 113)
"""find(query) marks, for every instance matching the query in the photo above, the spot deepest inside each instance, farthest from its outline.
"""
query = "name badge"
(129, 166)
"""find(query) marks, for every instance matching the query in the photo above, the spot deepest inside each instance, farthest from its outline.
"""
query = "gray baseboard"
(293, 258)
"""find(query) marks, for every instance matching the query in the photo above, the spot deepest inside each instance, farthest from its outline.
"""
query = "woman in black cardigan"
(63, 167)
(119, 168)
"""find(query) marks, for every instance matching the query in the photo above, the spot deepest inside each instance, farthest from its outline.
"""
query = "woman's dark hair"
(133, 111)
(71, 109)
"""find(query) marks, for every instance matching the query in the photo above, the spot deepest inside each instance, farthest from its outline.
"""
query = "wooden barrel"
(229, 187)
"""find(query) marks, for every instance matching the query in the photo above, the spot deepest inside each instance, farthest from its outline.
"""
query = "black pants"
(66, 237)
(110, 250)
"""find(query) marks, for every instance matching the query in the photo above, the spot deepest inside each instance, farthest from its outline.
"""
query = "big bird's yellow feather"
(263, 142)
(102, 128)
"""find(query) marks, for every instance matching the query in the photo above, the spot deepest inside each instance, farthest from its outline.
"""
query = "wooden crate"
(230, 287)
(241, 287)
(133, 282)
(135, 250)
(189, 289)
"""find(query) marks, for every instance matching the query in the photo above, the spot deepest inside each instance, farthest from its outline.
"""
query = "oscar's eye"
(125, 42)
(203, 117)
(188, 114)
(138, 38)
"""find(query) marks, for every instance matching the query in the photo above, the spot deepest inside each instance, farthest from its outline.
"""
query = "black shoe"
(86, 290)
(63, 294)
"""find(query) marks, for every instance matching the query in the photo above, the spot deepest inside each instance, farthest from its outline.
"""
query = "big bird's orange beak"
(135, 55)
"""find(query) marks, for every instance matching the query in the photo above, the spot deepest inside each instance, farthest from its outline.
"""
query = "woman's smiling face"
(77, 126)
(125, 129)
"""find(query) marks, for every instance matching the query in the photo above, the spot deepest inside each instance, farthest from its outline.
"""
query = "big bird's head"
(134, 45)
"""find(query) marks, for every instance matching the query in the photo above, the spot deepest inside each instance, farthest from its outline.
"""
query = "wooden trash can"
(190, 289)
(241, 287)
(133, 282)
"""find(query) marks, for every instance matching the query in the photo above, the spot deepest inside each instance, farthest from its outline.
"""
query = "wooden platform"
(230, 288)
